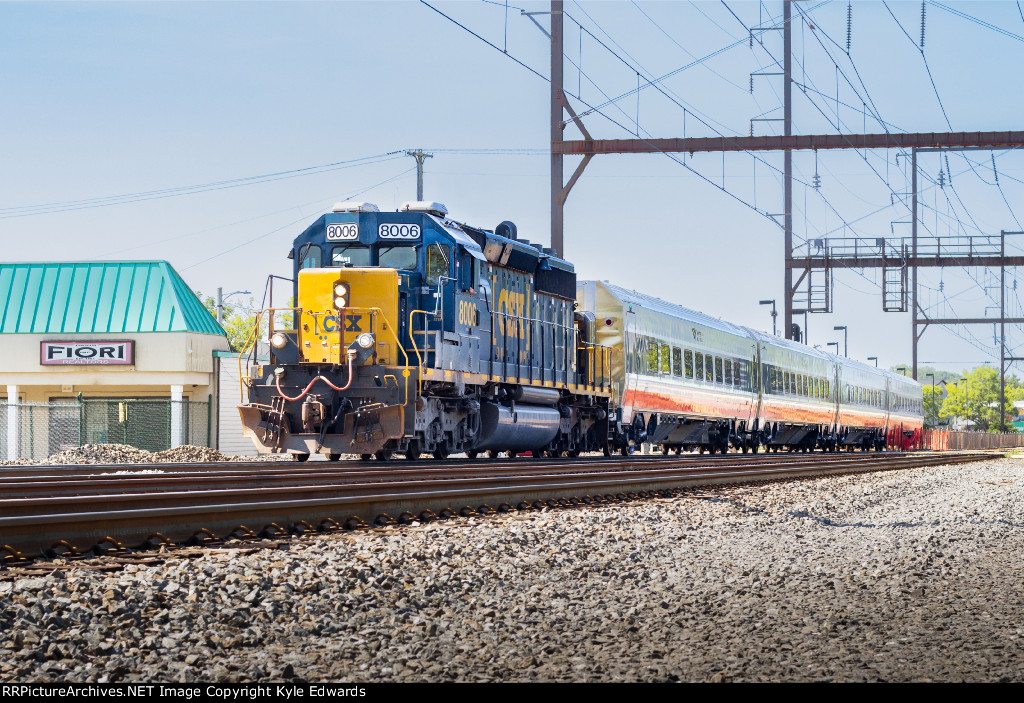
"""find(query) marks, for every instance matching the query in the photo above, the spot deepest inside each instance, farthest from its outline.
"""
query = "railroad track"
(47, 510)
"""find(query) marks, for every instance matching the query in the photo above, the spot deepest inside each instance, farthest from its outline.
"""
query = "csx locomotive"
(414, 334)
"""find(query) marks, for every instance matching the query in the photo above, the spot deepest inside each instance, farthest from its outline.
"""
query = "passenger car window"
(718, 369)
(666, 365)
(700, 366)
(688, 356)
(677, 361)
(728, 372)
(350, 255)
(652, 357)
(397, 257)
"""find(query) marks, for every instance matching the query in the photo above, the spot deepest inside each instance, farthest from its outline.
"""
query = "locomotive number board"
(398, 231)
(341, 231)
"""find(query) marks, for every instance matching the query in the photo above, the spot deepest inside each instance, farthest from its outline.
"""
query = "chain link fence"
(147, 423)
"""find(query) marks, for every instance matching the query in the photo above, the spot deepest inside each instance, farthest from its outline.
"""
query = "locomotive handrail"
(251, 340)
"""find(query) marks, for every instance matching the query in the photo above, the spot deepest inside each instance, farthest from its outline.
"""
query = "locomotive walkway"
(67, 509)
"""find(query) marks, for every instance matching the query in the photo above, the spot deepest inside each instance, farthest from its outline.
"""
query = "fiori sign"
(68, 353)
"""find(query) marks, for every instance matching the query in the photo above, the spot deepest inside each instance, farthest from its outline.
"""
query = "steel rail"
(188, 472)
(82, 522)
(46, 485)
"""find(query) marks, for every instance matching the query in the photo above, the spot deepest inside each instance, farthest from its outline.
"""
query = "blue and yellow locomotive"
(414, 334)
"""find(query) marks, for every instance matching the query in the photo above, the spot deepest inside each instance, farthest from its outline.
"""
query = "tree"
(975, 398)
(238, 322)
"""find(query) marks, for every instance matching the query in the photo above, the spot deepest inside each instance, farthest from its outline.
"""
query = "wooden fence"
(939, 439)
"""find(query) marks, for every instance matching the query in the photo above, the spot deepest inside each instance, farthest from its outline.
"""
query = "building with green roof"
(126, 332)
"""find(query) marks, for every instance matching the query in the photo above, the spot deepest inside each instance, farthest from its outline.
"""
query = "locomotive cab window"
(400, 256)
(437, 263)
(310, 257)
(350, 255)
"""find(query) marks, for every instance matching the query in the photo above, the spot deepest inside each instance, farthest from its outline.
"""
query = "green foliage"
(238, 323)
(973, 397)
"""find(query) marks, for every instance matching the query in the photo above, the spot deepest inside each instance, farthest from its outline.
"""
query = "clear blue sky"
(131, 105)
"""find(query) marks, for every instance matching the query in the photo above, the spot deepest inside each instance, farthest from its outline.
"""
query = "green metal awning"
(99, 297)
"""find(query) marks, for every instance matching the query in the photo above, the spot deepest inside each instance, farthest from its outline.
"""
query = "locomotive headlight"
(365, 340)
(341, 294)
(278, 340)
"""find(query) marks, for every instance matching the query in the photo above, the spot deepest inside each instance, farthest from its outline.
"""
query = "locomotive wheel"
(664, 449)
(383, 455)
(679, 450)
(441, 452)
(472, 454)
(494, 454)
(702, 449)
(412, 454)
(537, 453)
(606, 450)
(755, 447)
(624, 450)
(365, 457)
(746, 448)
(300, 457)
(554, 453)
(333, 457)
(573, 453)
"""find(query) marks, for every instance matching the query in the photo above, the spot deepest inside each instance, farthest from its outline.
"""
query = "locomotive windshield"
(397, 256)
(350, 255)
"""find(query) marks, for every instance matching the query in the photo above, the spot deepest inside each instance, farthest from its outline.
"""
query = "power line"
(982, 23)
(493, 46)
(126, 198)
(293, 222)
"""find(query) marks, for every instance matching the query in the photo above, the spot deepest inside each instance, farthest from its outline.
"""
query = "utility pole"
(419, 155)
(787, 127)
(557, 105)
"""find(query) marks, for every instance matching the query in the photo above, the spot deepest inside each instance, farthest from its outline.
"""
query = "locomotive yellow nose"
(340, 306)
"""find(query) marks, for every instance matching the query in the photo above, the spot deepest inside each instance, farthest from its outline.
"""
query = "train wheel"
(664, 449)
(755, 447)
(333, 457)
(365, 457)
(383, 455)
(624, 450)
(554, 453)
(300, 457)
(412, 454)
(472, 454)
(441, 452)
(701, 450)
(679, 450)
(606, 450)
(537, 453)
(746, 448)
(494, 454)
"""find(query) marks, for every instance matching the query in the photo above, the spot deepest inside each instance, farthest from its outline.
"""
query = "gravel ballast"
(896, 576)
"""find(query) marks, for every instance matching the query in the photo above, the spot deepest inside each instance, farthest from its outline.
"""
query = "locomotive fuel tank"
(518, 429)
